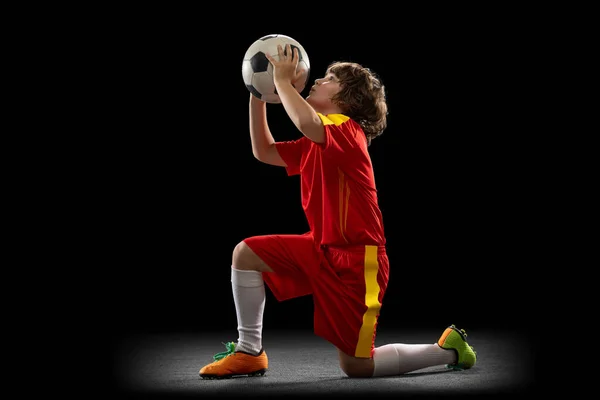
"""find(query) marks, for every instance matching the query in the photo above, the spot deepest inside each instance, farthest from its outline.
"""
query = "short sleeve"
(291, 153)
(343, 136)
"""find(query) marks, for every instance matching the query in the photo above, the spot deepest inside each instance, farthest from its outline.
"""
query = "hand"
(285, 69)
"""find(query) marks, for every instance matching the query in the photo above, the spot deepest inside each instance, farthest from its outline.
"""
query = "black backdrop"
(181, 188)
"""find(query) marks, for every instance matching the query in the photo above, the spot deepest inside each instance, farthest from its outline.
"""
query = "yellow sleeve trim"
(333, 119)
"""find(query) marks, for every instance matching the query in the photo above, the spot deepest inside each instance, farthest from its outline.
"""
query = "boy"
(342, 261)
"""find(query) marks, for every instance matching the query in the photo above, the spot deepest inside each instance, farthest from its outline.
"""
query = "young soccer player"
(342, 260)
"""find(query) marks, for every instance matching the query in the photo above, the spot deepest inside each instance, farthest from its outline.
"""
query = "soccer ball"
(257, 70)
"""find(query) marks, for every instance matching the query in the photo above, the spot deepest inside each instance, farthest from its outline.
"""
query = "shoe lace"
(230, 350)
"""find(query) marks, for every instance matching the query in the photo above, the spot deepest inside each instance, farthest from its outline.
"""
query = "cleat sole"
(260, 372)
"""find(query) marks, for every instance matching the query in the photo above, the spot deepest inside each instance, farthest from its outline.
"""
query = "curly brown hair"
(362, 96)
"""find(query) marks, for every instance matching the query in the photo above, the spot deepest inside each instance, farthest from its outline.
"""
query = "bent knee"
(357, 371)
(355, 367)
(241, 256)
(244, 258)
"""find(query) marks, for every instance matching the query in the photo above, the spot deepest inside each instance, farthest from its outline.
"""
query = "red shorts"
(347, 285)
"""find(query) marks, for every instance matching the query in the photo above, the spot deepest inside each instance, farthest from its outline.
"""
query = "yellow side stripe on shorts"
(365, 337)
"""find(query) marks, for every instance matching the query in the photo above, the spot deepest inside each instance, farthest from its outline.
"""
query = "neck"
(329, 110)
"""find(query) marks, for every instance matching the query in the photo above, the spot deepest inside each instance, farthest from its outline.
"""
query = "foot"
(231, 363)
(455, 339)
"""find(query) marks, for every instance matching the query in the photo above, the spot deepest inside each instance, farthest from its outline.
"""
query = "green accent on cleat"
(455, 339)
(230, 350)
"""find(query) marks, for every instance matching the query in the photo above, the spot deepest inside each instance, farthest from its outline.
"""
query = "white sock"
(400, 358)
(249, 297)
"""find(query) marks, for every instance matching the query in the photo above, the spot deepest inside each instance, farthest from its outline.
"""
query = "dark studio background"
(183, 187)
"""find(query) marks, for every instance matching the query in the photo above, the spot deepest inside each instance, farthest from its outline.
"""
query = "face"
(322, 91)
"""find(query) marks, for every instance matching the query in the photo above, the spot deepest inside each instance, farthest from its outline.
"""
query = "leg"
(395, 359)
(349, 321)
(400, 358)
(248, 271)
(246, 356)
(451, 349)
(250, 260)
(348, 296)
(356, 367)
(249, 296)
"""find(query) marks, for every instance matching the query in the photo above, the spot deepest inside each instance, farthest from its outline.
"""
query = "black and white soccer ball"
(257, 70)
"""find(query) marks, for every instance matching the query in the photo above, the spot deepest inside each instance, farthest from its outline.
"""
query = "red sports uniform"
(342, 261)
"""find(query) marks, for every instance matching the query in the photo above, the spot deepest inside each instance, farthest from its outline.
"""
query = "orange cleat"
(230, 363)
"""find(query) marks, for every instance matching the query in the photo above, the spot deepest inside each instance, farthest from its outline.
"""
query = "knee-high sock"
(249, 296)
(400, 358)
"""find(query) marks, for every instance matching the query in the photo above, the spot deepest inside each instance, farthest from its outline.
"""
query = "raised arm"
(300, 112)
(263, 144)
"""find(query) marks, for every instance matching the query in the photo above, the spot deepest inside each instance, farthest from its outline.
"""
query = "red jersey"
(339, 196)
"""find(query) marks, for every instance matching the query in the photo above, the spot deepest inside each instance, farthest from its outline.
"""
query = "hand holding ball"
(257, 70)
